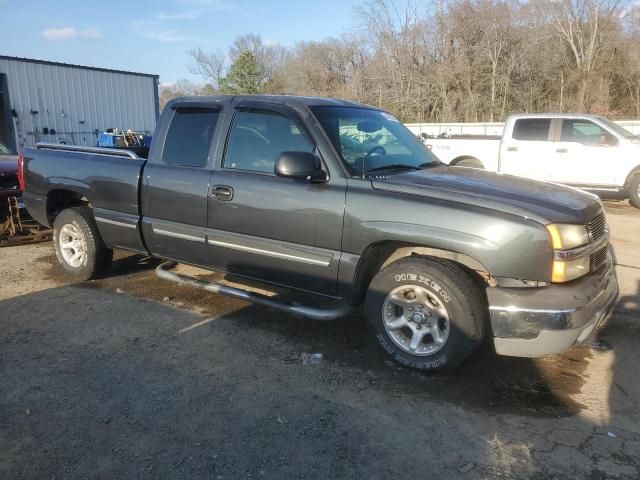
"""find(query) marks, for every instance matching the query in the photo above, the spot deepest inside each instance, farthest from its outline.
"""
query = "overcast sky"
(152, 36)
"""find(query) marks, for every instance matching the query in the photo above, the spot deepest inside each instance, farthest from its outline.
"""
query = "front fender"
(508, 245)
(503, 248)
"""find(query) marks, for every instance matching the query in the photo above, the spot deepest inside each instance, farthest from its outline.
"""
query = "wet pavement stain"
(533, 387)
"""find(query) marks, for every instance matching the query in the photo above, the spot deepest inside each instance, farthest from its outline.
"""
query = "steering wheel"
(377, 148)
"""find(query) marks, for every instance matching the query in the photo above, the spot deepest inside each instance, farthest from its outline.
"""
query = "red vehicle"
(9, 183)
(10, 193)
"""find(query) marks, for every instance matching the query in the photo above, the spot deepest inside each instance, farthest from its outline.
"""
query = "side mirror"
(300, 165)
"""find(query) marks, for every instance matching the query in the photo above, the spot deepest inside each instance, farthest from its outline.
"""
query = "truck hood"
(541, 201)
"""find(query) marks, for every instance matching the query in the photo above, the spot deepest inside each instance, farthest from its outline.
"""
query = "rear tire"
(426, 313)
(634, 191)
(470, 162)
(79, 247)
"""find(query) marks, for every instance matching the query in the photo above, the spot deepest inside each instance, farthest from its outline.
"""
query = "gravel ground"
(133, 377)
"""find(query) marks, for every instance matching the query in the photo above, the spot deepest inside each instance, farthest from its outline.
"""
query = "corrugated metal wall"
(76, 101)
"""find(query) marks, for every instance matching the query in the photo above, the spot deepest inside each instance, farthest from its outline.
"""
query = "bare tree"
(581, 24)
(208, 64)
(469, 60)
(269, 57)
(183, 88)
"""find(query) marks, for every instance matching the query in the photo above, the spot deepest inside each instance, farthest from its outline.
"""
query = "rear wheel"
(426, 313)
(469, 162)
(79, 247)
(634, 191)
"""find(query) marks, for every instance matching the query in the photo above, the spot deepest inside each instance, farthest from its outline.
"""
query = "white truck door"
(527, 150)
(583, 154)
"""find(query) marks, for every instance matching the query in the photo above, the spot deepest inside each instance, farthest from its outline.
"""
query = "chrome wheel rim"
(416, 320)
(73, 246)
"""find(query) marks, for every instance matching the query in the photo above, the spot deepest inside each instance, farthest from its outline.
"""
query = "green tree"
(243, 77)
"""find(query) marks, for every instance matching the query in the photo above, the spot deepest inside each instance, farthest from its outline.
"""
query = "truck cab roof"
(286, 100)
(584, 116)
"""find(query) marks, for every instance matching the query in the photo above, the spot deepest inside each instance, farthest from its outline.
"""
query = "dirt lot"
(132, 377)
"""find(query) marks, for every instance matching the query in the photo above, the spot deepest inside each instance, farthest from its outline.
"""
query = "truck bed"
(112, 176)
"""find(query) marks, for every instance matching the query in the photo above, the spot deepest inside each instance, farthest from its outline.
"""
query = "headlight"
(567, 237)
(566, 270)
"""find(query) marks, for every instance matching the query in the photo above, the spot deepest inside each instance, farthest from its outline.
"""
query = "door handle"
(222, 192)
(512, 149)
(561, 150)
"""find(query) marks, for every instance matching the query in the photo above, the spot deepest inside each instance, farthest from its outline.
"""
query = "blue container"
(106, 140)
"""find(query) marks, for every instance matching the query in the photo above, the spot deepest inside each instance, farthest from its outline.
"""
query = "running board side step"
(163, 272)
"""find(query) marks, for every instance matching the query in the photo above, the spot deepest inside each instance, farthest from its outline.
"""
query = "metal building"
(43, 101)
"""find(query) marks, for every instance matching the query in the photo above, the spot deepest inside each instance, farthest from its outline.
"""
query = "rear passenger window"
(189, 136)
(257, 139)
(532, 129)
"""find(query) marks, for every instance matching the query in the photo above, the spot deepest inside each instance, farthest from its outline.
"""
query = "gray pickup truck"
(339, 200)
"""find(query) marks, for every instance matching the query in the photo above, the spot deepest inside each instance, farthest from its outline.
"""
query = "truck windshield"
(623, 132)
(371, 142)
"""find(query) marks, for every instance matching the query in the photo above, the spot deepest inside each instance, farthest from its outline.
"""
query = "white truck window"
(586, 133)
(532, 129)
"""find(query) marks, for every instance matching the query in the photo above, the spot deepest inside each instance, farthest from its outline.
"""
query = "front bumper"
(532, 322)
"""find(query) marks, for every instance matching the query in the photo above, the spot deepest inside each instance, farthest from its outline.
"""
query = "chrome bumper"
(532, 322)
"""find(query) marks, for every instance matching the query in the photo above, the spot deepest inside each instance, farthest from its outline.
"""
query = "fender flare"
(67, 185)
(377, 256)
(461, 258)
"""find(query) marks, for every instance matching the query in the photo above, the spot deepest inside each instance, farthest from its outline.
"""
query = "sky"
(153, 36)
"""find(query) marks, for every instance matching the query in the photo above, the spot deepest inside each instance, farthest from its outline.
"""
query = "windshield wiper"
(395, 166)
(401, 166)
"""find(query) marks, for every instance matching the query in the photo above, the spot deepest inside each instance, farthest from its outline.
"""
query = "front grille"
(597, 227)
(599, 257)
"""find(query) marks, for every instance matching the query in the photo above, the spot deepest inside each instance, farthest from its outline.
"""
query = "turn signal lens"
(565, 271)
(565, 236)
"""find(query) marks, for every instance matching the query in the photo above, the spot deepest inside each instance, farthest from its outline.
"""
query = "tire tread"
(467, 291)
(102, 255)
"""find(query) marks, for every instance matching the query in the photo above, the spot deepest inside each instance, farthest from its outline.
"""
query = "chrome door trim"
(182, 236)
(270, 248)
(114, 222)
(177, 230)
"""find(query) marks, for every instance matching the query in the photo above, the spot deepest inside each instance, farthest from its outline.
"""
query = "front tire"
(79, 247)
(426, 313)
(634, 191)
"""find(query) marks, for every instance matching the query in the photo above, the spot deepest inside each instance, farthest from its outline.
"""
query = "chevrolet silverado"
(339, 200)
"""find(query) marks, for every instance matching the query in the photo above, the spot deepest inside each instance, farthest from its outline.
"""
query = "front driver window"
(257, 138)
(586, 133)
(370, 141)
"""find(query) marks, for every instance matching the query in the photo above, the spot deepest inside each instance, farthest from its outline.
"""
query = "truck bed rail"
(95, 150)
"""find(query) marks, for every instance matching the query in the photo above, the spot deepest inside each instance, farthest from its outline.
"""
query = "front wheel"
(634, 191)
(79, 247)
(426, 313)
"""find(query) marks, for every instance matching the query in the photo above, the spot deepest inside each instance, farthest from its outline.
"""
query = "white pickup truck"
(585, 151)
